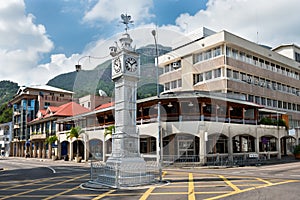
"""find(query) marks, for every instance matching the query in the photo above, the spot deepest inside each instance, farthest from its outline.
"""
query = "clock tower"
(125, 141)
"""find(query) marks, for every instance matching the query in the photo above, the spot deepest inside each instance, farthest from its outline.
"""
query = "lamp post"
(158, 109)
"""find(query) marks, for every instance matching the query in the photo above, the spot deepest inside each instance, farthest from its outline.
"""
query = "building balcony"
(16, 126)
(38, 136)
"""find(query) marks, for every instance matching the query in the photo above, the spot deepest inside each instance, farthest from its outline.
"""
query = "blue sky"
(40, 39)
(63, 21)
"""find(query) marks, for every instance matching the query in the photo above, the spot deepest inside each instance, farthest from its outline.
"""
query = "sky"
(40, 39)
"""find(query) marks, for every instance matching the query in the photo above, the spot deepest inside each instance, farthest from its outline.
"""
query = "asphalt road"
(45, 179)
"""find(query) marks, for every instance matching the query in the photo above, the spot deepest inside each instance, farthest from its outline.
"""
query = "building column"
(257, 144)
(230, 147)
(17, 149)
(30, 149)
(202, 147)
(34, 150)
(85, 149)
(103, 149)
(14, 149)
(43, 150)
(297, 135)
(58, 150)
(22, 149)
(278, 147)
(40, 150)
(49, 150)
(71, 151)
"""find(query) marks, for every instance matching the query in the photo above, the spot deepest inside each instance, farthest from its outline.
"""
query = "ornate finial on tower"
(126, 20)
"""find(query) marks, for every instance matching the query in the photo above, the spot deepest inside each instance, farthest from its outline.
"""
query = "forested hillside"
(90, 81)
(7, 90)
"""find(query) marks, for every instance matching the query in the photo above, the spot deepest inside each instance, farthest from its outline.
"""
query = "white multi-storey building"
(5, 138)
(226, 63)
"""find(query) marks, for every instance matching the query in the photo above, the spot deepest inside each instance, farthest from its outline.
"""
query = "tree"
(51, 140)
(109, 130)
(75, 133)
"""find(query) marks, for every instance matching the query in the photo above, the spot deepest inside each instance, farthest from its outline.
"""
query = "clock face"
(131, 64)
(117, 65)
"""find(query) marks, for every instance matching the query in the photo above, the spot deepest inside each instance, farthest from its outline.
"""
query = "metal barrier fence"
(213, 160)
(125, 175)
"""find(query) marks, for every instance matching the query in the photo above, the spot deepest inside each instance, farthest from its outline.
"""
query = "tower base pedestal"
(126, 172)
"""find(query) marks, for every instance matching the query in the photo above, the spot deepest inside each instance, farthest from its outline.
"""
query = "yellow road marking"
(61, 193)
(147, 193)
(150, 190)
(234, 187)
(36, 182)
(191, 193)
(103, 195)
(265, 181)
(47, 186)
(249, 189)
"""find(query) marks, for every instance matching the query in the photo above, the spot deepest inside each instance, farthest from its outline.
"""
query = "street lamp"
(158, 109)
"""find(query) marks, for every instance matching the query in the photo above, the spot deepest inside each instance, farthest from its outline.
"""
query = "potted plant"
(51, 140)
(296, 151)
(74, 133)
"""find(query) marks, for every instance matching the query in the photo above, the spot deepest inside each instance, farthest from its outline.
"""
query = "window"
(166, 68)
(235, 74)
(284, 88)
(297, 57)
(208, 75)
(174, 84)
(217, 51)
(229, 73)
(167, 86)
(228, 51)
(179, 84)
(217, 73)
(244, 77)
(275, 103)
(250, 98)
(263, 101)
(198, 78)
(242, 56)
(284, 105)
(279, 104)
(269, 102)
(257, 99)
(207, 55)
(235, 53)
(46, 105)
(198, 57)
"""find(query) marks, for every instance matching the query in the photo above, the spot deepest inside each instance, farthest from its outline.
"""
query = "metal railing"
(123, 176)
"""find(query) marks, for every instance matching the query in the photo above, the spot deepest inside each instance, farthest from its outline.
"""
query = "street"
(45, 179)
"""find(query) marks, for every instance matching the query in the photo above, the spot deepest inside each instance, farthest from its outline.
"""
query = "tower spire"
(126, 20)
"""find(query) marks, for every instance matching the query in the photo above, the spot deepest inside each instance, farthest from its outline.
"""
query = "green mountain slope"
(90, 81)
(7, 90)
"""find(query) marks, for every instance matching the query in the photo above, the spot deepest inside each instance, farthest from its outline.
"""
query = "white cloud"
(267, 22)
(109, 10)
(21, 42)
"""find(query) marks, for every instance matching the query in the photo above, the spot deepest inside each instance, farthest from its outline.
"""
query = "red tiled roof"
(65, 110)
(43, 112)
(106, 105)
(70, 109)
(53, 109)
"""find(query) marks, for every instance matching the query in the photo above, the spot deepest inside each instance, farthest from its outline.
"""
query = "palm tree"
(74, 133)
(109, 130)
(51, 140)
